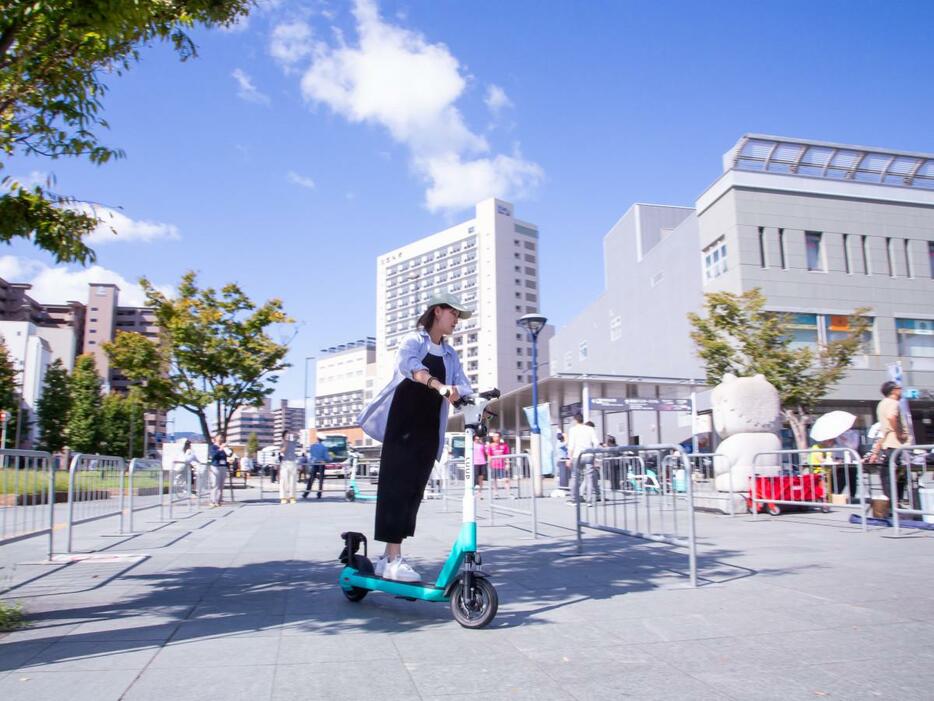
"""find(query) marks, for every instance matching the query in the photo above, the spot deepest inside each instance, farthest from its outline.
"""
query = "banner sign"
(567, 411)
(632, 404)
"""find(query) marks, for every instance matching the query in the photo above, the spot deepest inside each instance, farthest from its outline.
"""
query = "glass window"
(715, 259)
(616, 328)
(837, 327)
(931, 257)
(915, 337)
(803, 330)
(762, 260)
(812, 242)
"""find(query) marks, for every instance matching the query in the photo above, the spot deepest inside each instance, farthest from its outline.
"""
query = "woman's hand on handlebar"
(450, 392)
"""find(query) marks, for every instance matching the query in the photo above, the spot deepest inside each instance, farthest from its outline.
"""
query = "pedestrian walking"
(288, 468)
(893, 434)
(219, 462)
(582, 437)
(318, 456)
(499, 470)
(479, 464)
(409, 417)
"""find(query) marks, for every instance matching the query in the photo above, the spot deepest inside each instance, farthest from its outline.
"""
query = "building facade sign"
(624, 404)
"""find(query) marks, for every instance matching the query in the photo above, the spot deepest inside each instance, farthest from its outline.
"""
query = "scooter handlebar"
(489, 395)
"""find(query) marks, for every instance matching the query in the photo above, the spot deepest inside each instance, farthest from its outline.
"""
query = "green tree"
(122, 419)
(9, 393)
(53, 408)
(54, 55)
(84, 419)
(737, 334)
(252, 445)
(213, 348)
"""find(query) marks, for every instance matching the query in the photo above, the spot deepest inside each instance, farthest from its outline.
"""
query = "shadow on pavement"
(291, 597)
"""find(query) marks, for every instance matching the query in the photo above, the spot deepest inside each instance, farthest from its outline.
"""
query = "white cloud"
(57, 285)
(291, 42)
(246, 90)
(496, 99)
(457, 183)
(395, 78)
(301, 180)
(116, 227)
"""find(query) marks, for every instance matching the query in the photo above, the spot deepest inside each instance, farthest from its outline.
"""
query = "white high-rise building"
(491, 263)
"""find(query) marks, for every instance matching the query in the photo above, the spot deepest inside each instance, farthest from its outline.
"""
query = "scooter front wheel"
(475, 608)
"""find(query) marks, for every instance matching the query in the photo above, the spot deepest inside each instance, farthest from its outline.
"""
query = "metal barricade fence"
(808, 478)
(27, 495)
(704, 473)
(93, 482)
(515, 469)
(452, 482)
(179, 486)
(630, 493)
(910, 459)
(145, 488)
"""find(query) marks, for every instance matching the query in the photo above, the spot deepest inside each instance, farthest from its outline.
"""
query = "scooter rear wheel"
(355, 593)
(476, 608)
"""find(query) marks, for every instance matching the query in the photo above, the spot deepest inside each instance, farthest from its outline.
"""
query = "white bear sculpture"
(747, 417)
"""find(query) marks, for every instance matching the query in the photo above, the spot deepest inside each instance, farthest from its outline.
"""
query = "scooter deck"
(426, 591)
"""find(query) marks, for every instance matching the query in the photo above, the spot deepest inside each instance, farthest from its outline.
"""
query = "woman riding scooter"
(409, 417)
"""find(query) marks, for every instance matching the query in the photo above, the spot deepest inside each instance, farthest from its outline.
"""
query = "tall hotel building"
(491, 263)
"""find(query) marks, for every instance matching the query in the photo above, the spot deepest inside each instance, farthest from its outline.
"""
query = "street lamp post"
(533, 324)
(305, 399)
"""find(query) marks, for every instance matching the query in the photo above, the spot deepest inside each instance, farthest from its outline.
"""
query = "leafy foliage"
(213, 349)
(738, 335)
(84, 420)
(9, 392)
(53, 55)
(53, 408)
(11, 616)
(252, 445)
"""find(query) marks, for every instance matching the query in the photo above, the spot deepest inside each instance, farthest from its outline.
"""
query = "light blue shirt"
(412, 349)
(319, 453)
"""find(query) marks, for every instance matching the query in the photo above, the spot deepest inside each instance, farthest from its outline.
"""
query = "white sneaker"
(401, 571)
(380, 566)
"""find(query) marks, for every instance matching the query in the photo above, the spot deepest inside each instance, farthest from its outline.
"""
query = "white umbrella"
(831, 425)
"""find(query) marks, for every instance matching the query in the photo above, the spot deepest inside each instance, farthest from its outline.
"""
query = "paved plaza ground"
(241, 602)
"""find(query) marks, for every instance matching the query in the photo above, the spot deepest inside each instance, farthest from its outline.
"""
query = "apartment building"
(258, 420)
(344, 383)
(289, 416)
(491, 263)
(67, 330)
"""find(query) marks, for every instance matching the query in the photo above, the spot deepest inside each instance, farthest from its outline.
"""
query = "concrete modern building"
(491, 263)
(821, 228)
(344, 383)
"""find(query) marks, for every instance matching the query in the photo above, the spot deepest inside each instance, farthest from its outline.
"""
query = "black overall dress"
(410, 447)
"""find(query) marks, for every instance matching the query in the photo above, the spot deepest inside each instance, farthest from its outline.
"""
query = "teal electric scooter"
(472, 597)
(353, 492)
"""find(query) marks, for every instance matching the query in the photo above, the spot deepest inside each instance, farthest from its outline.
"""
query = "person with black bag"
(893, 435)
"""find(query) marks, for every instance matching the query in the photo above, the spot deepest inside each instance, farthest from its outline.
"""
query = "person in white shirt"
(197, 468)
(582, 437)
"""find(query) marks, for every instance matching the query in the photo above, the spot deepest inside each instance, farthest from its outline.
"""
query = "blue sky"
(318, 135)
